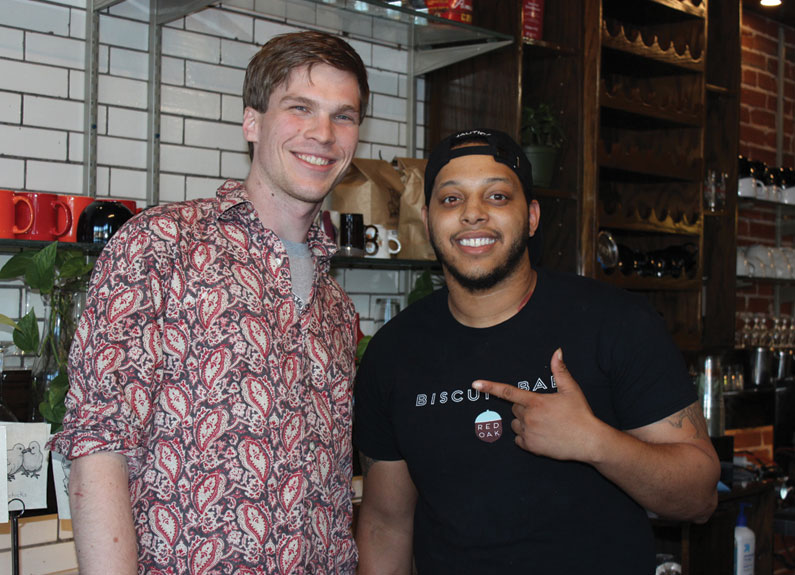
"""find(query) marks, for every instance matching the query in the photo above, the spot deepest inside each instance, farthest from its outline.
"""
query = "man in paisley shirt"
(209, 415)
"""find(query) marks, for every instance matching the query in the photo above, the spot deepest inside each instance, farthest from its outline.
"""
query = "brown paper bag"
(371, 188)
(411, 229)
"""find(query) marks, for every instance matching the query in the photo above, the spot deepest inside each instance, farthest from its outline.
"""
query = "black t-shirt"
(486, 506)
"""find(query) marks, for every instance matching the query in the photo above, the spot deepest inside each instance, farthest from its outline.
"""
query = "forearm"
(384, 549)
(385, 531)
(674, 480)
(102, 520)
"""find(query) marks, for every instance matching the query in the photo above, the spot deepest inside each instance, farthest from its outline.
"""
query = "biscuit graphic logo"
(488, 426)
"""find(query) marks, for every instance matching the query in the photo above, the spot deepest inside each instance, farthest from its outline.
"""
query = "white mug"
(382, 243)
(393, 242)
(746, 187)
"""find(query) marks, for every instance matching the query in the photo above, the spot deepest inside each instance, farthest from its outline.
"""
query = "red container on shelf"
(458, 10)
(533, 19)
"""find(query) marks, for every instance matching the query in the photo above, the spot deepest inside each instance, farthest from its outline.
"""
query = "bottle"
(744, 542)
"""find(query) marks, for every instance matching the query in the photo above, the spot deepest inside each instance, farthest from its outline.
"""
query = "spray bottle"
(744, 543)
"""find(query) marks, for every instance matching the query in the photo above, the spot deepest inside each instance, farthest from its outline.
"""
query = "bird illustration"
(32, 460)
(14, 457)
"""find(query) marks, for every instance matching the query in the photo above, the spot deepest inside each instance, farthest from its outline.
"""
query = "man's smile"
(476, 242)
(314, 160)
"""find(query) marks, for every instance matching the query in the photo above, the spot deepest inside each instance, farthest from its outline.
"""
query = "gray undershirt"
(302, 268)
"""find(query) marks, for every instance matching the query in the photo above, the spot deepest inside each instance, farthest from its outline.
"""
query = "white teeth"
(476, 242)
(314, 160)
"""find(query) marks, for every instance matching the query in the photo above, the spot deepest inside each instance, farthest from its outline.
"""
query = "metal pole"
(411, 97)
(15, 515)
(153, 97)
(90, 96)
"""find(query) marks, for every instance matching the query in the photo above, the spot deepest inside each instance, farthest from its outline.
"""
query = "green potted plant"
(60, 278)
(542, 138)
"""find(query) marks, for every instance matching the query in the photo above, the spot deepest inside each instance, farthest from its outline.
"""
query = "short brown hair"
(272, 65)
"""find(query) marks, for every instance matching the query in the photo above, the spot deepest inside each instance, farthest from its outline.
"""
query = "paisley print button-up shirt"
(232, 407)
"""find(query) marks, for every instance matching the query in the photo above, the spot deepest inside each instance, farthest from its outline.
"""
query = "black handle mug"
(352, 235)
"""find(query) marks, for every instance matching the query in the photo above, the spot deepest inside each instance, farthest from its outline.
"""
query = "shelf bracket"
(428, 60)
(422, 61)
(153, 103)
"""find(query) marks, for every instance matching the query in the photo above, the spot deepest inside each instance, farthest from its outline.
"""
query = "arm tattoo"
(367, 463)
(693, 414)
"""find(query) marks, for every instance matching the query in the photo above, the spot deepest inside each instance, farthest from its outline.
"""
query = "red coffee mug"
(43, 217)
(76, 205)
(8, 214)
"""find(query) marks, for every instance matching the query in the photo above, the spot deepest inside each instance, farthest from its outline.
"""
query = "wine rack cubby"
(650, 151)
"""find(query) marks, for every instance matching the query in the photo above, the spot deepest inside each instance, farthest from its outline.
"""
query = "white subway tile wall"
(203, 65)
(46, 546)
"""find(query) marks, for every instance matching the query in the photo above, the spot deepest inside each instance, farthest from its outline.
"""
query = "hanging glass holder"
(5, 412)
(62, 309)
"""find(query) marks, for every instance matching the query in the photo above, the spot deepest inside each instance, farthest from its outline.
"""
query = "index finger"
(501, 390)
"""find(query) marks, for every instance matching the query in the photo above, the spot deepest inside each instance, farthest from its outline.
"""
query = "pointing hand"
(559, 425)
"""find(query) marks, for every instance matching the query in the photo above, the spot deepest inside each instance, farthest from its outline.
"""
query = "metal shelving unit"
(432, 43)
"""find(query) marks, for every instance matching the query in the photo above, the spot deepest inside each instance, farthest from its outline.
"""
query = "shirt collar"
(232, 194)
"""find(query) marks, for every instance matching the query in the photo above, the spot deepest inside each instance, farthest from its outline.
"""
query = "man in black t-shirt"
(553, 470)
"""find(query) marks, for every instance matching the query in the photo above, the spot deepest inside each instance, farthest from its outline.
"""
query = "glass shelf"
(449, 41)
(9, 245)
(383, 263)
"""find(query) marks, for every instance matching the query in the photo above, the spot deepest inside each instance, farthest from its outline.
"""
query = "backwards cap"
(494, 143)
(499, 146)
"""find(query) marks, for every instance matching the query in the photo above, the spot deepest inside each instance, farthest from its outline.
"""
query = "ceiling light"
(770, 2)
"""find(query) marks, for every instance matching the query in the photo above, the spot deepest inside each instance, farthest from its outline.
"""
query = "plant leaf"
(52, 406)
(41, 274)
(46, 411)
(423, 286)
(16, 266)
(26, 334)
(59, 386)
(361, 347)
(74, 268)
(5, 320)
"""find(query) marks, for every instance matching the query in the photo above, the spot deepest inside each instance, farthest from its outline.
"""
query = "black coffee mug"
(100, 220)
(352, 234)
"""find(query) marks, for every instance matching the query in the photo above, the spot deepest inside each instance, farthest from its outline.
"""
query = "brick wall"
(756, 442)
(758, 108)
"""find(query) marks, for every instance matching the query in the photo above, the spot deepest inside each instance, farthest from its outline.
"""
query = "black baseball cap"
(503, 149)
(494, 143)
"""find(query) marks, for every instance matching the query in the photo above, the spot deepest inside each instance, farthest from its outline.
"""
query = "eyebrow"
(492, 180)
(293, 99)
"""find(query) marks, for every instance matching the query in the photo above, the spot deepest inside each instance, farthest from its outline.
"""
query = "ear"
(251, 124)
(534, 216)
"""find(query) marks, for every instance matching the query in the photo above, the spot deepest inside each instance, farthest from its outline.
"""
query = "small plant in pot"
(60, 278)
(542, 138)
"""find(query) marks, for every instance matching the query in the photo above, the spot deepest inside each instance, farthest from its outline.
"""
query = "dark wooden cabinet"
(708, 549)
(648, 92)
